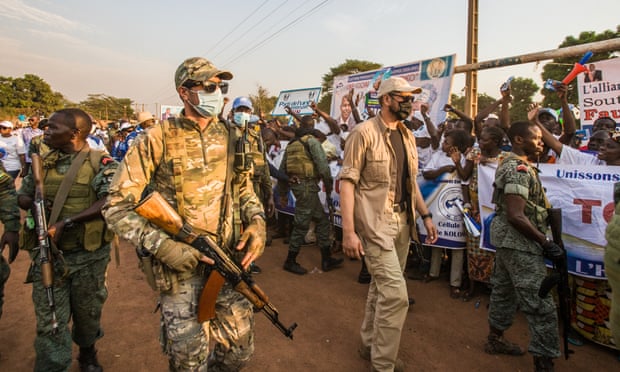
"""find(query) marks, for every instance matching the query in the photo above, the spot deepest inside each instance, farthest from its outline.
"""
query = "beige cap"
(144, 116)
(6, 124)
(396, 84)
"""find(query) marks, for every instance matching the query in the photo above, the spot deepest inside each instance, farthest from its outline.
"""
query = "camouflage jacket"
(517, 177)
(260, 167)
(201, 175)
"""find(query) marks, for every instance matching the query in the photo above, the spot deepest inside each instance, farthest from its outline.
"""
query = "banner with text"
(599, 92)
(298, 100)
(434, 76)
(585, 195)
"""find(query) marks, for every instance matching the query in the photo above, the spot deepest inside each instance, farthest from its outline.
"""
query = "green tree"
(262, 101)
(484, 100)
(29, 94)
(522, 91)
(106, 107)
(350, 66)
(559, 67)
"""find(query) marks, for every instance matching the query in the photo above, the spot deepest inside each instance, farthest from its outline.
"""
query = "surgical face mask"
(209, 104)
(240, 118)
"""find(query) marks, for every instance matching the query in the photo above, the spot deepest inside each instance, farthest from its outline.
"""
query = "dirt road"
(440, 334)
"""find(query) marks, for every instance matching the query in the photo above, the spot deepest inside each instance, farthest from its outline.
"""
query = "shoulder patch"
(105, 160)
(522, 168)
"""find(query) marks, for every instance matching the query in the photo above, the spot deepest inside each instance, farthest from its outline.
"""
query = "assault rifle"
(559, 278)
(45, 253)
(155, 209)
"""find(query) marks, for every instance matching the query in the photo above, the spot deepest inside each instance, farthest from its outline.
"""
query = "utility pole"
(471, 77)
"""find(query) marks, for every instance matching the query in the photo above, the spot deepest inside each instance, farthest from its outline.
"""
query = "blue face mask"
(240, 118)
(209, 104)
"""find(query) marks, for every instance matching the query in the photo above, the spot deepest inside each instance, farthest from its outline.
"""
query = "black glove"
(553, 251)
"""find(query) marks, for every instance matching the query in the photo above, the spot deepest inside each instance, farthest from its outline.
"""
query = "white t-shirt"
(440, 159)
(570, 155)
(14, 146)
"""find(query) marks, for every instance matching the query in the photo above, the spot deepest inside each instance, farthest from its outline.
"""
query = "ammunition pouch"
(28, 239)
(159, 277)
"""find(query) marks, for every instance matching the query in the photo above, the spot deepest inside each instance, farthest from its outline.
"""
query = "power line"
(276, 33)
(236, 27)
(251, 28)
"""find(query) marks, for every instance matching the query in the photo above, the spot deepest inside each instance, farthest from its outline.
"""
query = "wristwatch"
(68, 222)
(425, 216)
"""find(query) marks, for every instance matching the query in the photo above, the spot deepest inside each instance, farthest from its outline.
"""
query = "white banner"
(599, 92)
(434, 76)
(585, 195)
(298, 100)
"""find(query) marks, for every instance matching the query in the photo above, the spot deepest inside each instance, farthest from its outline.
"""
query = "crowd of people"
(224, 173)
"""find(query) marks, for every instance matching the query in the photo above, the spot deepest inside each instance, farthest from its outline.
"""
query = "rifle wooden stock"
(47, 267)
(157, 210)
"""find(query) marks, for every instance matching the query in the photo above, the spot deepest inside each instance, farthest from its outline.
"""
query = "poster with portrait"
(599, 92)
(167, 111)
(434, 76)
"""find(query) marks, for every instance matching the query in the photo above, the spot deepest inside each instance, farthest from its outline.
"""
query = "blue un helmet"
(242, 101)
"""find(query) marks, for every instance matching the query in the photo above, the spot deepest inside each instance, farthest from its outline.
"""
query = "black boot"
(497, 344)
(543, 364)
(329, 263)
(88, 360)
(292, 266)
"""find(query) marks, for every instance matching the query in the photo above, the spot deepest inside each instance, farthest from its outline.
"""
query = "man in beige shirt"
(378, 197)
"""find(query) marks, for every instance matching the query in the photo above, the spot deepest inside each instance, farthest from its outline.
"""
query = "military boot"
(292, 266)
(88, 360)
(497, 344)
(329, 263)
(543, 364)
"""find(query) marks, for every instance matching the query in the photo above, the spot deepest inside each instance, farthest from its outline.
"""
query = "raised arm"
(547, 137)
(331, 122)
(568, 127)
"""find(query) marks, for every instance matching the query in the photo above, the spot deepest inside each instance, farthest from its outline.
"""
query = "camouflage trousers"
(186, 342)
(5, 271)
(515, 281)
(79, 293)
(308, 208)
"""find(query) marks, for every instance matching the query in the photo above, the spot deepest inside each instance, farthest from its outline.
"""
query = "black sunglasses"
(208, 86)
(404, 98)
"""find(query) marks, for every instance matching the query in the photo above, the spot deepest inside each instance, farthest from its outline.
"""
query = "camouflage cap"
(198, 69)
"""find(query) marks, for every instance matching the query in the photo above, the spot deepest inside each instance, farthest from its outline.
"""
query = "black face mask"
(404, 110)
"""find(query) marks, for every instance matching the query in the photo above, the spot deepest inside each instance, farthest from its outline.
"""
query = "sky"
(131, 49)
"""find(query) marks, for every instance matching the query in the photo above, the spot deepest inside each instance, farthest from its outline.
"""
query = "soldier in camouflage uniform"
(305, 164)
(518, 232)
(79, 234)
(9, 215)
(190, 161)
(261, 178)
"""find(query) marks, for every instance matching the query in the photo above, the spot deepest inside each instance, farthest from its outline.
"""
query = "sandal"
(455, 292)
